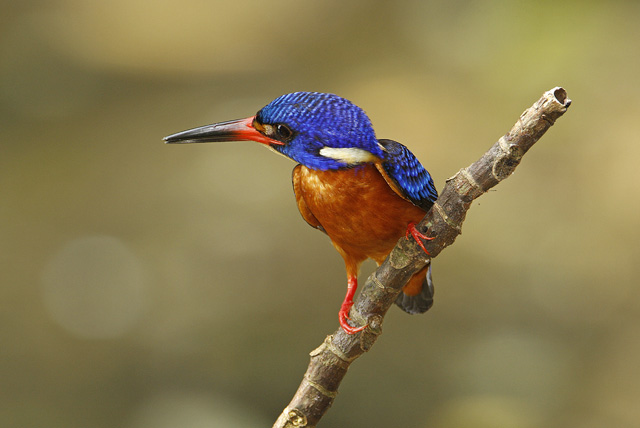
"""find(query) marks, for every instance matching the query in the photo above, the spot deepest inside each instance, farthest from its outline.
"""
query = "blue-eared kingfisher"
(364, 193)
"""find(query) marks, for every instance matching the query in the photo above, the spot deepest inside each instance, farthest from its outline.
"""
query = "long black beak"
(233, 130)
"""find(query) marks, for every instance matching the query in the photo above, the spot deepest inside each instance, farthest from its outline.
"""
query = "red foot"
(344, 318)
(411, 229)
(343, 315)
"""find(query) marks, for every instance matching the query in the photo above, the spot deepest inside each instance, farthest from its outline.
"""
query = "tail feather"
(421, 302)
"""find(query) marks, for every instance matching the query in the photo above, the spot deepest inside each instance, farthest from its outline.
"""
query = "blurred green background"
(154, 286)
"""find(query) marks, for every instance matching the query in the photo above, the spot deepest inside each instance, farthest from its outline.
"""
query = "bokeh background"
(154, 286)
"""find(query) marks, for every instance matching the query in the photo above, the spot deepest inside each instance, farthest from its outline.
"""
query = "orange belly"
(361, 214)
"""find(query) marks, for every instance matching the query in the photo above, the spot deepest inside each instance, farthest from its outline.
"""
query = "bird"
(364, 193)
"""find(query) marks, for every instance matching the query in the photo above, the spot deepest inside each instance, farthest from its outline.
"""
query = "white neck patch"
(348, 155)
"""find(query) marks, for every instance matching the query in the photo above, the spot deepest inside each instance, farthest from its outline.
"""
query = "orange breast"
(361, 214)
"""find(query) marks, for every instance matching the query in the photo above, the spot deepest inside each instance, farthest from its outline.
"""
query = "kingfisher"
(364, 193)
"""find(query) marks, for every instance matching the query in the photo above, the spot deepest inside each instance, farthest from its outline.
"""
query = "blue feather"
(405, 170)
(320, 120)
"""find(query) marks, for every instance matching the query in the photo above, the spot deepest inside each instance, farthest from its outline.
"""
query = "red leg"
(343, 315)
(411, 229)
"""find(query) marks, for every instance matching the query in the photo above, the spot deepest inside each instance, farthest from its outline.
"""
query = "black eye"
(284, 132)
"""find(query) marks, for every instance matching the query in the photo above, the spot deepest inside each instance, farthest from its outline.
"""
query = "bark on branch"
(330, 361)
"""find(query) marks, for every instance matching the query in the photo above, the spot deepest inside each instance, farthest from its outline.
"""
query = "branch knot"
(508, 158)
(294, 418)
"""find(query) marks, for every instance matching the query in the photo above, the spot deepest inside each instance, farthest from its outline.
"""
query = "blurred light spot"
(94, 287)
(173, 409)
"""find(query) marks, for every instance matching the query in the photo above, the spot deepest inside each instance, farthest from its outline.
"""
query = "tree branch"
(330, 361)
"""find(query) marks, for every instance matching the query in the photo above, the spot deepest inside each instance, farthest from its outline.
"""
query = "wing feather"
(406, 175)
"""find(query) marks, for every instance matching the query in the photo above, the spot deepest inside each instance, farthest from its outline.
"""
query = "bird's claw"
(343, 316)
(418, 236)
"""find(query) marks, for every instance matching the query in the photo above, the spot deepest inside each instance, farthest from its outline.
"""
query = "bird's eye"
(284, 132)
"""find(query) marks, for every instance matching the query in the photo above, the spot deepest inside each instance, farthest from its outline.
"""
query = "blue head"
(320, 131)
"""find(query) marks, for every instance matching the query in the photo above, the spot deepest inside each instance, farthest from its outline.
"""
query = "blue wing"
(411, 180)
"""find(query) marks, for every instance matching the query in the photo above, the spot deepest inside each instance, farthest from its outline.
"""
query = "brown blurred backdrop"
(153, 286)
